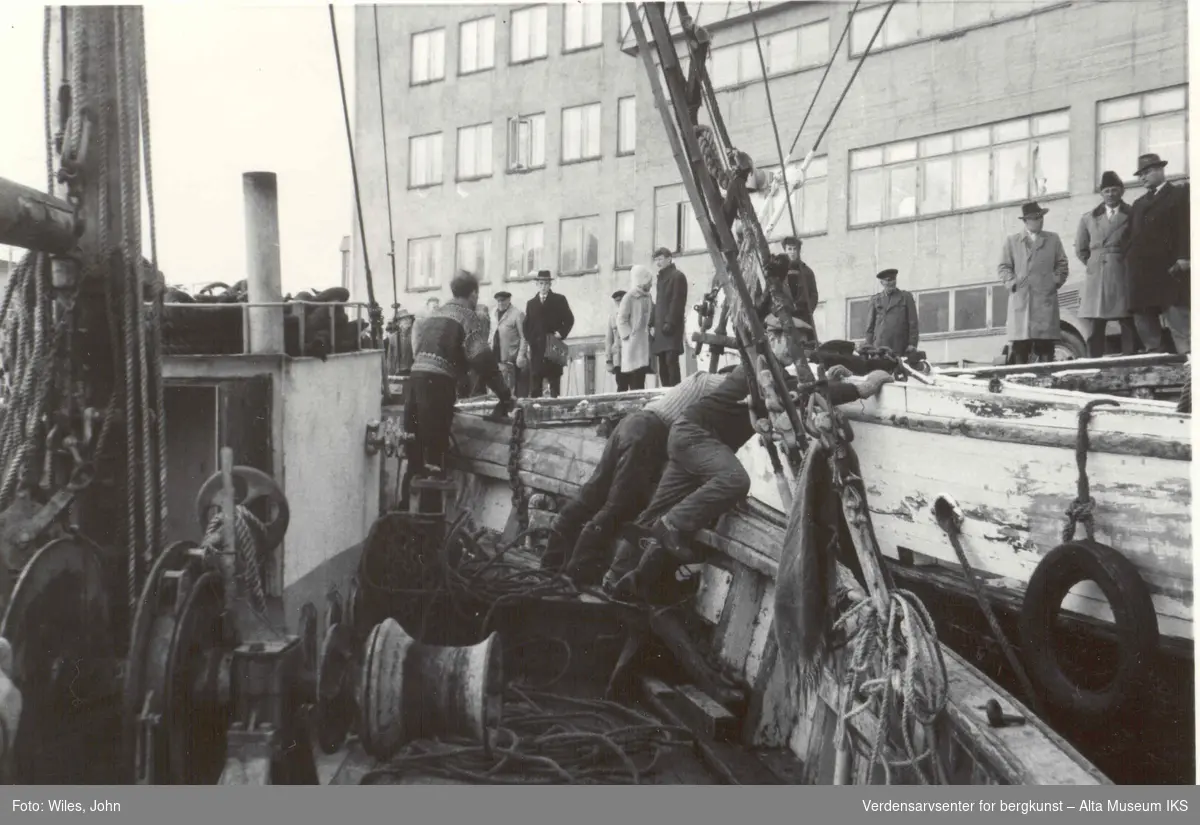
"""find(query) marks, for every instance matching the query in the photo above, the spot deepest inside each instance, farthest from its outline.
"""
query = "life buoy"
(1135, 624)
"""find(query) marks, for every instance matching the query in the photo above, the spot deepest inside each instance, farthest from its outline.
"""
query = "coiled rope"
(250, 552)
(1083, 508)
(907, 640)
(547, 739)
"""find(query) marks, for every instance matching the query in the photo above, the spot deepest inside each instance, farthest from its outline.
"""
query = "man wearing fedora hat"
(508, 341)
(892, 317)
(547, 315)
(1034, 266)
(1158, 256)
(399, 343)
(1100, 245)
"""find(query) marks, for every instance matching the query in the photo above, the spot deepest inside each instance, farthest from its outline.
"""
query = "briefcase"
(556, 350)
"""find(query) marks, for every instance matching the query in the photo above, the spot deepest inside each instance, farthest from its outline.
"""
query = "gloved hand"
(874, 382)
(668, 328)
(10, 700)
(838, 372)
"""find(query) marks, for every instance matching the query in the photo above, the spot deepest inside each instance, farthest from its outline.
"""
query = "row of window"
(578, 251)
(960, 309)
(580, 140)
(527, 35)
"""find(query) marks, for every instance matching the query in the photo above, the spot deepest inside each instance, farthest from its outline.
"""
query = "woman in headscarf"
(634, 319)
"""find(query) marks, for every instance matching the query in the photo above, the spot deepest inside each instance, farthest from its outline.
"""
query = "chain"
(514, 467)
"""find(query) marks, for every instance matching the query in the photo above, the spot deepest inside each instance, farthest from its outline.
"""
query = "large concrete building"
(526, 137)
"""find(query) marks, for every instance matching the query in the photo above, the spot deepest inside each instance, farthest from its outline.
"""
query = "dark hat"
(791, 240)
(1032, 210)
(1110, 179)
(544, 275)
(1149, 161)
(887, 273)
(502, 294)
(662, 251)
(402, 313)
(618, 295)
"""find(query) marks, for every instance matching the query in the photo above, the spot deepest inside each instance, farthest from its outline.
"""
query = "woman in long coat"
(1099, 243)
(635, 317)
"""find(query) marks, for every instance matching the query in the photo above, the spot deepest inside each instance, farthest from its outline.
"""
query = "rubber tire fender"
(1136, 626)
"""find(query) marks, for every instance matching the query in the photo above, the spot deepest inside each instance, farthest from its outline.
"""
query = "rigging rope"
(762, 62)
(373, 306)
(828, 65)
(387, 175)
(250, 552)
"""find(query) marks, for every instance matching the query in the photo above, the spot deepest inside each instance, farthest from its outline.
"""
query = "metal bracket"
(374, 441)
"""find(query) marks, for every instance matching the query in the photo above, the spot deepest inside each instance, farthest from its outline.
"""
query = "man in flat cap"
(1100, 245)
(399, 343)
(1158, 257)
(670, 307)
(547, 315)
(1033, 265)
(892, 317)
(508, 341)
(612, 343)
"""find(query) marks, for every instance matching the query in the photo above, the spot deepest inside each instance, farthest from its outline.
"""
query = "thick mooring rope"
(251, 550)
(907, 639)
(547, 739)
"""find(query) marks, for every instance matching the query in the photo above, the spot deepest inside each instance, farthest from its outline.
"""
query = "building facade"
(526, 138)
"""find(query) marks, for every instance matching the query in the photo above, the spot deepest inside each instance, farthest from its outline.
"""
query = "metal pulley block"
(58, 621)
(251, 486)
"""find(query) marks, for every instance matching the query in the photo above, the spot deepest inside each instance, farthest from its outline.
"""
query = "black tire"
(1136, 626)
(1070, 346)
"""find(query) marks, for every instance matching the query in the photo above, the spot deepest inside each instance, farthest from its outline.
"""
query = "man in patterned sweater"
(450, 342)
(621, 484)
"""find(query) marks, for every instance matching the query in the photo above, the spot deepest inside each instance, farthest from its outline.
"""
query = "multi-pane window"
(475, 151)
(810, 203)
(477, 45)
(623, 258)
(1000, 163)
(675, 224)
(1152, 122)
(471, 253)
(734, 64)
(424, 263)
(963, 309)
(581, 25)
(581, 132)
(425, 160)
(428, 56)
(918, 19)
(524, 250)
(526, 142)
(626, 125)
(785, 51)
(579, 245)
(527, 34)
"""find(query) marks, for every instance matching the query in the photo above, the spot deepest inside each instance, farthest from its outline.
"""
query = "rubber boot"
(588, 560)
(624, 560)
(638, 584)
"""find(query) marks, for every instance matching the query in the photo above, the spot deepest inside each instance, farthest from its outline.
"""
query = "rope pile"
(407, 557)
(250, 552)
(547, 739)
(907, 640)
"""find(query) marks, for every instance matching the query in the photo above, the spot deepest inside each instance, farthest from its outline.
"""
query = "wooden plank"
(733, 636)
(707, 715)
(1112, 382)
(1126, 361)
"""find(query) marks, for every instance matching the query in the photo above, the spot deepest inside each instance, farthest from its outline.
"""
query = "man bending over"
(622, 482)
(703, 478)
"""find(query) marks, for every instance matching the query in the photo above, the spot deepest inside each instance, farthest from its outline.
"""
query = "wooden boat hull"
(736, 604)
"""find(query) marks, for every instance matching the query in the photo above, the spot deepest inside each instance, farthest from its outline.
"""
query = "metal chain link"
(514, 468)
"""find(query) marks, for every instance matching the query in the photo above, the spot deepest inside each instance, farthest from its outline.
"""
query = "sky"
(234, 88)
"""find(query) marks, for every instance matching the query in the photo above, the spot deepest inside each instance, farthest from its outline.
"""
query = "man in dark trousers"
(801, 281)
(892, 317)
(703, 478)
(622, 483)
(451, 341)
(546, 315)
(670, 305)
(1158, 258)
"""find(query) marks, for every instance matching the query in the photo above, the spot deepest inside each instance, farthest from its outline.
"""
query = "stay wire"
(828, 65)
(762, 62)
(387, 175)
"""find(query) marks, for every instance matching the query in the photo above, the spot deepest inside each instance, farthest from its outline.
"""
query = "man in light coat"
(670, 307)
(612, 343)
(1159, 258)
(1100, 245)
(1033, 265)
(892, 321)
(508, 340)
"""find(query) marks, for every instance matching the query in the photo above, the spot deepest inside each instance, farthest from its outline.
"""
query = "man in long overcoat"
(892, 317)
(802, 283)
(546, 314)
(1033, 265)
(670, 306)
(1158, 257)
(508, 341)
(1100, 245)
